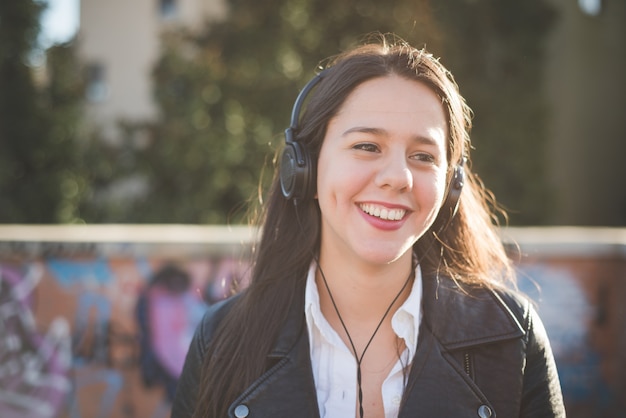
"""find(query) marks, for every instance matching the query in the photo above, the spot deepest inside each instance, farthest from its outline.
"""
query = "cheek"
(334, 178)
(334, 187)
(432, 191)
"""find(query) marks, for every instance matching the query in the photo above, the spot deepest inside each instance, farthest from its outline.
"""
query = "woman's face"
(381, 170)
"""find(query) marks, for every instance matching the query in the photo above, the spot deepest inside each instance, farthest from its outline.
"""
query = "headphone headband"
(295, 112)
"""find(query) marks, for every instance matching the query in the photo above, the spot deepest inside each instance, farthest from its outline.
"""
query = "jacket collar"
(458, 317)
(463, 317)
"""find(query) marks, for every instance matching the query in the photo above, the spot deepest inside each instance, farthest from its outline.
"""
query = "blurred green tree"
(225, 98)
(26, 175)
(39, 122)
(225, 95)
(496, 49)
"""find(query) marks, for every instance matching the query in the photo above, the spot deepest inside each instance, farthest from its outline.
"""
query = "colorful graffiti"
(34, 366)
(167, 313)
(104, 337)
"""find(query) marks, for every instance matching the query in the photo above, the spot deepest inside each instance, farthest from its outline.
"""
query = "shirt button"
(484, 411)
(396, 400)
(241, 411)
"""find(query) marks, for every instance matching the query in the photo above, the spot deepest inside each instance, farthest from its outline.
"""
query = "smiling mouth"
(382, 212)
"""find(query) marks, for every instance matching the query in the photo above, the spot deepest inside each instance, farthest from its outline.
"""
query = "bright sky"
(59, 22)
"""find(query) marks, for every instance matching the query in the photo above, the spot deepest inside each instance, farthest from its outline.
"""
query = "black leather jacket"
(480, 354)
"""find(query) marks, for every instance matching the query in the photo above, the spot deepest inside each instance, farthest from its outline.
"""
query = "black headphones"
(451, 203)
(297, 171)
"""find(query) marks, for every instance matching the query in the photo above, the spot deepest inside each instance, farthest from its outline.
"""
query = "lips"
(382, 212)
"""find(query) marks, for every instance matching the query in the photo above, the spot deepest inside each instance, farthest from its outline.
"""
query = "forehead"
(393, 100)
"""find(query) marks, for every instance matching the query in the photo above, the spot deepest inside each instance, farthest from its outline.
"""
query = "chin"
(385, 256)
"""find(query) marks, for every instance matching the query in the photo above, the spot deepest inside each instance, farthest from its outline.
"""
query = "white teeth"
(382, 212)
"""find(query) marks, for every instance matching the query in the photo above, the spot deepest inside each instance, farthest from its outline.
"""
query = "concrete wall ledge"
(543, 241)
(557, 241)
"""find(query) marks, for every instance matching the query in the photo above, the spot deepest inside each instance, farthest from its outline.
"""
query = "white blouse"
(334, 365)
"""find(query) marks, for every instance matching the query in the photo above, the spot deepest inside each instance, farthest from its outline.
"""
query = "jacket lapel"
(287, 387)
(454, 319)
(434, 381)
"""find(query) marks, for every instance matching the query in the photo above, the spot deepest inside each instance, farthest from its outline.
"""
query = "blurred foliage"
(495, 48)
(225, 95)
(37, 124)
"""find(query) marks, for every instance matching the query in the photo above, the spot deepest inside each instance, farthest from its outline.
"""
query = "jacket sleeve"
(189, 382)
(541, 396)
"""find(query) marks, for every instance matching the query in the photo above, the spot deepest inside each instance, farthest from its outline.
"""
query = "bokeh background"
(137, 137)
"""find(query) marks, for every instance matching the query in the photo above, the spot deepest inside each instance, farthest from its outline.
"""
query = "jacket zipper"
(467, 362)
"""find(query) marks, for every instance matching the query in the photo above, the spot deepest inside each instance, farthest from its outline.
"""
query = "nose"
(394, 174)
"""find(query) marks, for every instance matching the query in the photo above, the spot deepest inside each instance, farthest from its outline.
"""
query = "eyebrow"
(383, 132)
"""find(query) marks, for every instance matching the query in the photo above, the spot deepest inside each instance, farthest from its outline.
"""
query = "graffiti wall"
(100, 330)
(100, 327)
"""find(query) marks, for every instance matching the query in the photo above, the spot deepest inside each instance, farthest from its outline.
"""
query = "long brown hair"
(468, 250)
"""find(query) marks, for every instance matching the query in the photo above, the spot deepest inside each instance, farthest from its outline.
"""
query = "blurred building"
(119, 41)
(586, 90)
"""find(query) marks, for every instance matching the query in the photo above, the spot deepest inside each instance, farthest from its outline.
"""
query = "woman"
(372, 295)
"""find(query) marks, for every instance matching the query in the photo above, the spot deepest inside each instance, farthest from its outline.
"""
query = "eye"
(366, 146)
(424, 157)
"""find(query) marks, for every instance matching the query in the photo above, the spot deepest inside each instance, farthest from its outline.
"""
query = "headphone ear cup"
(456, 187)
(451, 202)
(296, 172)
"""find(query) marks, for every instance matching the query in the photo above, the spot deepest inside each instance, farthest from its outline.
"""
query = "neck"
(362, 291)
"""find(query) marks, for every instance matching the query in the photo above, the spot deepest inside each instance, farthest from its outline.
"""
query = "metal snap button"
(484, 411)
(241, 411)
